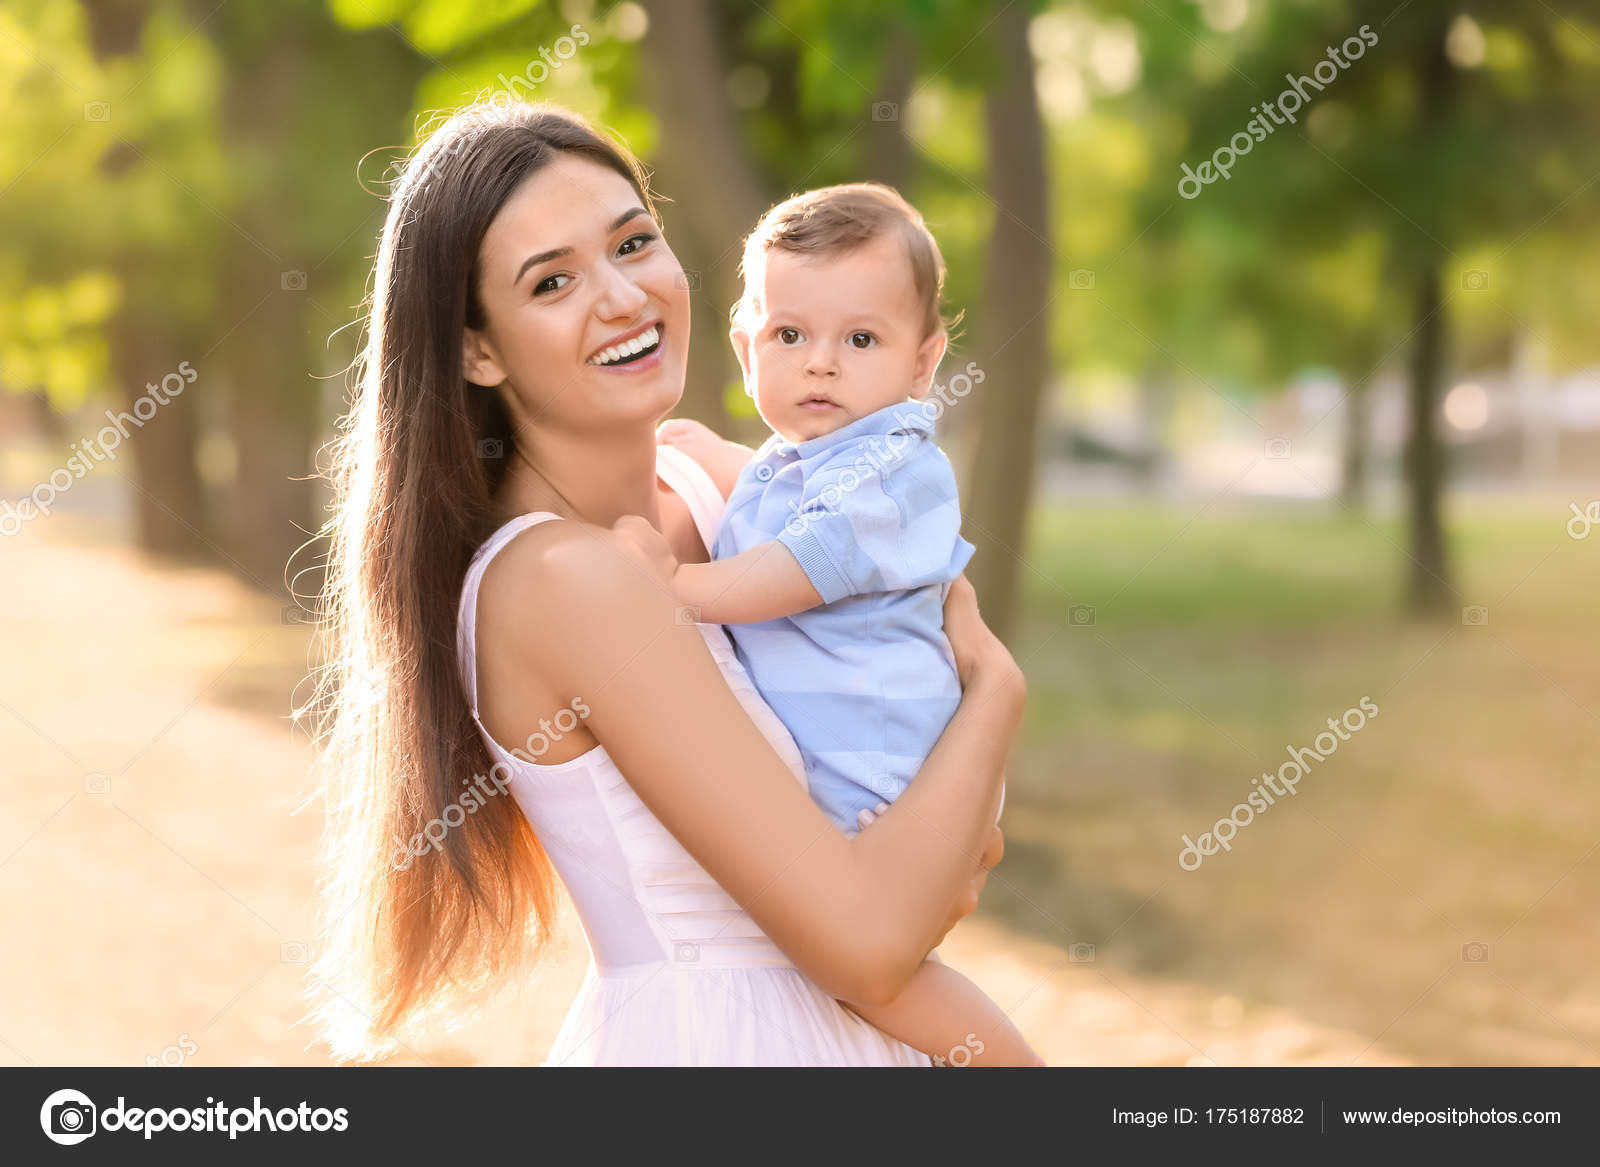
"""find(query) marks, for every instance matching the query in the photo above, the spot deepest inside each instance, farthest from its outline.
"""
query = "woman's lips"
(640, 364)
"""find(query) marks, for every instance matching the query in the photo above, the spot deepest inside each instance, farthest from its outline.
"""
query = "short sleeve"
(868, 524)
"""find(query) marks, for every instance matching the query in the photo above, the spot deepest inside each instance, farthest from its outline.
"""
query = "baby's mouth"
(818, 402)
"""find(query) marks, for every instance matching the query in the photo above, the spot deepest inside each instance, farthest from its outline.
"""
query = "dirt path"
(157, 885)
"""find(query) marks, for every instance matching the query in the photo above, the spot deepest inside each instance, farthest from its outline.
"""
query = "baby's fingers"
(867, 817)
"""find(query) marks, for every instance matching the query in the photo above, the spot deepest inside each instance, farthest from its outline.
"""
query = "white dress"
(678, 974)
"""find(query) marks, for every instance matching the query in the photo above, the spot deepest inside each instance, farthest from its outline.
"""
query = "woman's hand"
(980, 656)
(967, 902)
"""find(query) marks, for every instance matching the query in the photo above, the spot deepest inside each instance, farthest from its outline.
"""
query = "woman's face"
(576, 282)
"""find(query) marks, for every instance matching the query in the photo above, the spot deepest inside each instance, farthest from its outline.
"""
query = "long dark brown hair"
(413, 499)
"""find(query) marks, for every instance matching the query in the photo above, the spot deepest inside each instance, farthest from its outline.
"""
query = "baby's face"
(838, 337)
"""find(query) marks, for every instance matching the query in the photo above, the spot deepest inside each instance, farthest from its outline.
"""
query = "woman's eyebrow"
(558, 252)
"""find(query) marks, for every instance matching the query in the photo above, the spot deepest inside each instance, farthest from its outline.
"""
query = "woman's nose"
(619, 295)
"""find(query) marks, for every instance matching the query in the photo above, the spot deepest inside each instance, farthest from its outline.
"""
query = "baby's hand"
(650, 543)
(686, 434)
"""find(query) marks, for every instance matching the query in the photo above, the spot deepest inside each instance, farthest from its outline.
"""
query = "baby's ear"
(929, 354)
(741, 349)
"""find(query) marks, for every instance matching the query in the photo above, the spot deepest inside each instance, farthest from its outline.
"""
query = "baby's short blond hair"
(834, 220)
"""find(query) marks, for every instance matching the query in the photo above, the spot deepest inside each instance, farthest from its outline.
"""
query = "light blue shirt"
(866, 682)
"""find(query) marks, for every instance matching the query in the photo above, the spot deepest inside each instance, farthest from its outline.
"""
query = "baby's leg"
(951, 1020)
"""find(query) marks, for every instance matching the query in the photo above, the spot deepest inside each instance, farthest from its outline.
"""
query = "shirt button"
(764, 472)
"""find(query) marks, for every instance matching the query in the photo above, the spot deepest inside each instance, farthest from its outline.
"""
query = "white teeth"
(628, 348)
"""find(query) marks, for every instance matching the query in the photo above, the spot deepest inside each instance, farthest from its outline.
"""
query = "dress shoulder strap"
(690, 482)
(467, 615)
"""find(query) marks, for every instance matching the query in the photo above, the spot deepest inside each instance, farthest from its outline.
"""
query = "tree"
(1014, 351)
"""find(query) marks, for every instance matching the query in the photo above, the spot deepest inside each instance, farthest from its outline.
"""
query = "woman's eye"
(549, 284)
(862, 339)
(789, 336)
(635, 243)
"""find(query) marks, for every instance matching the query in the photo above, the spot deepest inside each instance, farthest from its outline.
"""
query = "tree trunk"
(702, 165)
(889, 149)
(1014, 347)
(266, 302)
(169, 501)
(1354, 446)
(1157, 401)
(1429, 589)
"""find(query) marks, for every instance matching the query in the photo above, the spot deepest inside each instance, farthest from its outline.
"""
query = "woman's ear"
(929, 354)
(741, 349)
(479, 363)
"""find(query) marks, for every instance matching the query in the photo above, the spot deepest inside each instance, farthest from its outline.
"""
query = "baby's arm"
(763, 583)
(949, 1018)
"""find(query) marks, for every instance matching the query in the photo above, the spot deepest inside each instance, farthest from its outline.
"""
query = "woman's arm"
(856, 914)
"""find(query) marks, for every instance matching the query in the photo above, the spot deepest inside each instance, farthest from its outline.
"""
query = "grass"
(1466, 811)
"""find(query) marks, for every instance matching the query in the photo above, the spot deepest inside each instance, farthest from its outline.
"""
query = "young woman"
(514, 693)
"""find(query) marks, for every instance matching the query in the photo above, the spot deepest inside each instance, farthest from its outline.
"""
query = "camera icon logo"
(1081, 615)
(294, 952)
(295, 614)
(293, 281)
(1080, 280)
(684, 953)
(1277, 447)
(67, 1117)
(687, 279)
(97, 111)
(688, 615)
(1475, 280)
(97, 783)
(1081, 953)
(885, 111)
(491, 448)
(1475, 615)
(1475, 952)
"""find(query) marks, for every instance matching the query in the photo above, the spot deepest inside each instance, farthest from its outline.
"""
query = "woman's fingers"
(993, 851)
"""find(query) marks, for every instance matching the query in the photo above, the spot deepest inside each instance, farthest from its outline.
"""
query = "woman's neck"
(597, 480)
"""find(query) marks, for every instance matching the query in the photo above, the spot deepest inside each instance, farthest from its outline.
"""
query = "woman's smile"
(633, 351)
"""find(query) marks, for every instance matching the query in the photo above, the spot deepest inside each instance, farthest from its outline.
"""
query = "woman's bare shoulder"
(563, 574)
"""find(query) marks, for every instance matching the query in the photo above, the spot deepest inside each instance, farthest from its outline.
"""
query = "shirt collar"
(907, 416)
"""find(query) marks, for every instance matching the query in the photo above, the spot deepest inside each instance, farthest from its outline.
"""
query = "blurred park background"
(1271, 413)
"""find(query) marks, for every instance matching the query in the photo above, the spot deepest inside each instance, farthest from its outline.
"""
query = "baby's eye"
(788, 336)
(862, 340)
(638, 243)
(549, 284)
